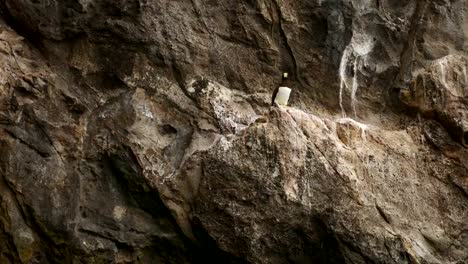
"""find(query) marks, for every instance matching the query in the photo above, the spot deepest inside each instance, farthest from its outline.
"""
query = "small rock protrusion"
(350, 131)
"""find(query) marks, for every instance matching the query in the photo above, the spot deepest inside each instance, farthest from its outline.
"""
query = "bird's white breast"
(282, 97)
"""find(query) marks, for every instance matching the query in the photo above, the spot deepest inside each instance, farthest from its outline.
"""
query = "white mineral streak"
(358, 48)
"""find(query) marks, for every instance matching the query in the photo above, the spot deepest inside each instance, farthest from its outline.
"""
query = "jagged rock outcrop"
(439, 92)
(299, 188)
(137, 131)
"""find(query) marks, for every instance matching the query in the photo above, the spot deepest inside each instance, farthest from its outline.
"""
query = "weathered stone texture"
(138, 131)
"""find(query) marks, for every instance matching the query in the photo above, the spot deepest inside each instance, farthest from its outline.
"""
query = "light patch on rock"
(119, 212)
(349, 121)
(84, 3)
(25, 236)
(451, 73)
(225, 144)
(291, 189)
(146, 111)
(24, 241)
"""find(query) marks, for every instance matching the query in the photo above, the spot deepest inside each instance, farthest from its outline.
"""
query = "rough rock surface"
(137, 131)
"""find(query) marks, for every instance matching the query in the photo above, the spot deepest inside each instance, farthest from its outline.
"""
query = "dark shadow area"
(22, 29)
(319, 247)
(180, 249)
(168, 130)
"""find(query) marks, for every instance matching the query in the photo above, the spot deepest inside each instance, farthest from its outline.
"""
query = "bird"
(281, 94)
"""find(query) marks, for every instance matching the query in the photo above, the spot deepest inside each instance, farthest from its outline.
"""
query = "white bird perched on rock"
(282, 92)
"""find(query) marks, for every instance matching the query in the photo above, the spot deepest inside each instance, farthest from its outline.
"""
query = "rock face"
(139, 131)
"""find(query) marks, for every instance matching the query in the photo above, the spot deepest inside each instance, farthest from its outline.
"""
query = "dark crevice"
(288, 47)
(383, 214)
(168, 130)
(8, 242)
(40, 152)
(41, 126)
(435, 246)
(353, 248)
(207, 242)
(463, 191)
(21, 28)
(389, 250)
(321, 246)
(400, 81)
(100, 235)
(7, 249)
(287, 44)
(406, 57)
(126, 168)
(452, 128)
(180, 79)
(465, 138)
